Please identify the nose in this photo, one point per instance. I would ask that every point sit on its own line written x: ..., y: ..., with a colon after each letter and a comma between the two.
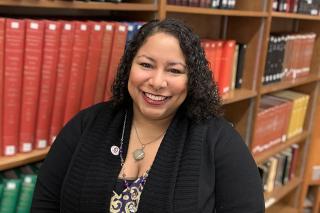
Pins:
x: 158, y: 80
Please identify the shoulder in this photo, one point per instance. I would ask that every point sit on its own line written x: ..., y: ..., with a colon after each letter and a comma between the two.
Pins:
x: 94, y: 110
x: 222, y: 137
x: 220, y: 128
x: 87, y: 118
x: 91, y: 113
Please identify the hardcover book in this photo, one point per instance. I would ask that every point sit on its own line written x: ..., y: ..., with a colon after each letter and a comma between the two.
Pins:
x: 13, y: 72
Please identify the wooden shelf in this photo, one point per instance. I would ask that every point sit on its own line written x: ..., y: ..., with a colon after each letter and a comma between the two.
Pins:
x: 79, y: 5
x: 282, y: 208
x: 261, y: 157
x: 279, y: 192
x: 289, y: 84
x: 314, y: 182
x: 22, y: 159
x: 295, y: 16
x: 211, y: 11
x: 238, y: 95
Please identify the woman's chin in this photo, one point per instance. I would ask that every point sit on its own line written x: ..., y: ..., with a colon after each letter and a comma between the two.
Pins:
x: 154, y: 114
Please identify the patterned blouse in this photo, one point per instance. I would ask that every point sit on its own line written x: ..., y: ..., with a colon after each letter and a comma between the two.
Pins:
x: 125, y: 200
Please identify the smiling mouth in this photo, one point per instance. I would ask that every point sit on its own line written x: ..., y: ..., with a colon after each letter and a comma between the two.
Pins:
x: 155, y: 99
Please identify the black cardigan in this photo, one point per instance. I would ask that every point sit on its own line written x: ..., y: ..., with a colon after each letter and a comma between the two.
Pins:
x: 203, y: 167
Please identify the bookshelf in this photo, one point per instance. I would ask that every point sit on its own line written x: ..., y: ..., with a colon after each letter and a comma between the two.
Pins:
x: 22, y: 159
x: 261, y: 157
x: 294, y: 16
x: 311, y: 185
x: 278, y: 193
x: 78, y: 5
x: 251, y: 22
x: 287, y: 84
x: 217, y: 12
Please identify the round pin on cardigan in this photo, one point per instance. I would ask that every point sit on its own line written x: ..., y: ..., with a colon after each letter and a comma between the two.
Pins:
x: 115, y: 150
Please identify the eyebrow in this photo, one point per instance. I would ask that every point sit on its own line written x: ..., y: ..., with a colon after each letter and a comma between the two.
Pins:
x: 170, y: 63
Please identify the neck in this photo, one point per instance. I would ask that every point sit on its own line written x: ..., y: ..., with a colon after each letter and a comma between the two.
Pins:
x: 148, y: 125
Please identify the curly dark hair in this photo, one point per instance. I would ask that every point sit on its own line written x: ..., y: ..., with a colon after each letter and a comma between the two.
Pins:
x: 202, y: 99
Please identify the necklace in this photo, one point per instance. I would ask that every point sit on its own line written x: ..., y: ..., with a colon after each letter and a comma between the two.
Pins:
x: 139, y: 154
x: 143, y: 180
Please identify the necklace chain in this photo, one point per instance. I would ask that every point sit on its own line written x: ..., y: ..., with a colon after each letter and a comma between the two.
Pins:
x: 153, y: 140
x: 122, y: 158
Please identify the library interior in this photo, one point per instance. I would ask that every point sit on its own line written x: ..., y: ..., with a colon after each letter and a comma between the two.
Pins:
x: 58, y: 57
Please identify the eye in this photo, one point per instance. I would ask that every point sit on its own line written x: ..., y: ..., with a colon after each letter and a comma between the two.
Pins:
x: 176, y: 71
x: 146, y: 65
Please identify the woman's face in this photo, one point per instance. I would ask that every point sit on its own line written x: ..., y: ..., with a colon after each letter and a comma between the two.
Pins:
x: 158, y: 78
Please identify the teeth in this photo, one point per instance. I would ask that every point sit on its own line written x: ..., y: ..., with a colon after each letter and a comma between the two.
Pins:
x: 155, y: 97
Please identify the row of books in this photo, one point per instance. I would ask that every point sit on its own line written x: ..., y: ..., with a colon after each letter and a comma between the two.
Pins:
x: 226, y: 60
x: 221, y: 4
x: 17, y: 187
x: 280, y: 117
x: 114, y: 1
x: 310, y: 7
x: 289, y: 56
x: 279, y: 169
x: 49, y: 70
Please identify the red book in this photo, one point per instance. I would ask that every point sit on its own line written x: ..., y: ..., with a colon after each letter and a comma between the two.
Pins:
x: 294, y: 162
x: 291, y: 6
x: 48, y: 82
x: 31, y: 83
x: 307, y: 52
x: 262, y: 128
x: 209, y: 52
x: 93, y: 63
x: 118, y: 45
x: 13, y: 59
x: 213, y: 50
x: 294, y: 60
x: 298, y: 56
x: 104, y: 61
x: 63, y: 74
x: 287, y: 5
x: 78, y: 64
x: 204, y: 3
x: 226, y: 66
x: 217, y: 62
x: 2, y: 31
x: 272, y: 123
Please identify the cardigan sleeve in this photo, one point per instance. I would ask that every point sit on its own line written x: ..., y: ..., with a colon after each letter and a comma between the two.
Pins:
x: 46, y: 196
x: 238, y: 186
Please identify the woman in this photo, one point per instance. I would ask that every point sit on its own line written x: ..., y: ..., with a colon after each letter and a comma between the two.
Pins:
x: 160, y: 145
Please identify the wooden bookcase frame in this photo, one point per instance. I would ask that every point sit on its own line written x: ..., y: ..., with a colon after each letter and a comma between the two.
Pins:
x: 257, y: 21
x: 312, y: 160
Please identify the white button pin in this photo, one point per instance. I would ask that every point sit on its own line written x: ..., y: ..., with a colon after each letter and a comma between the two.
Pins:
x: 115, y: 150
